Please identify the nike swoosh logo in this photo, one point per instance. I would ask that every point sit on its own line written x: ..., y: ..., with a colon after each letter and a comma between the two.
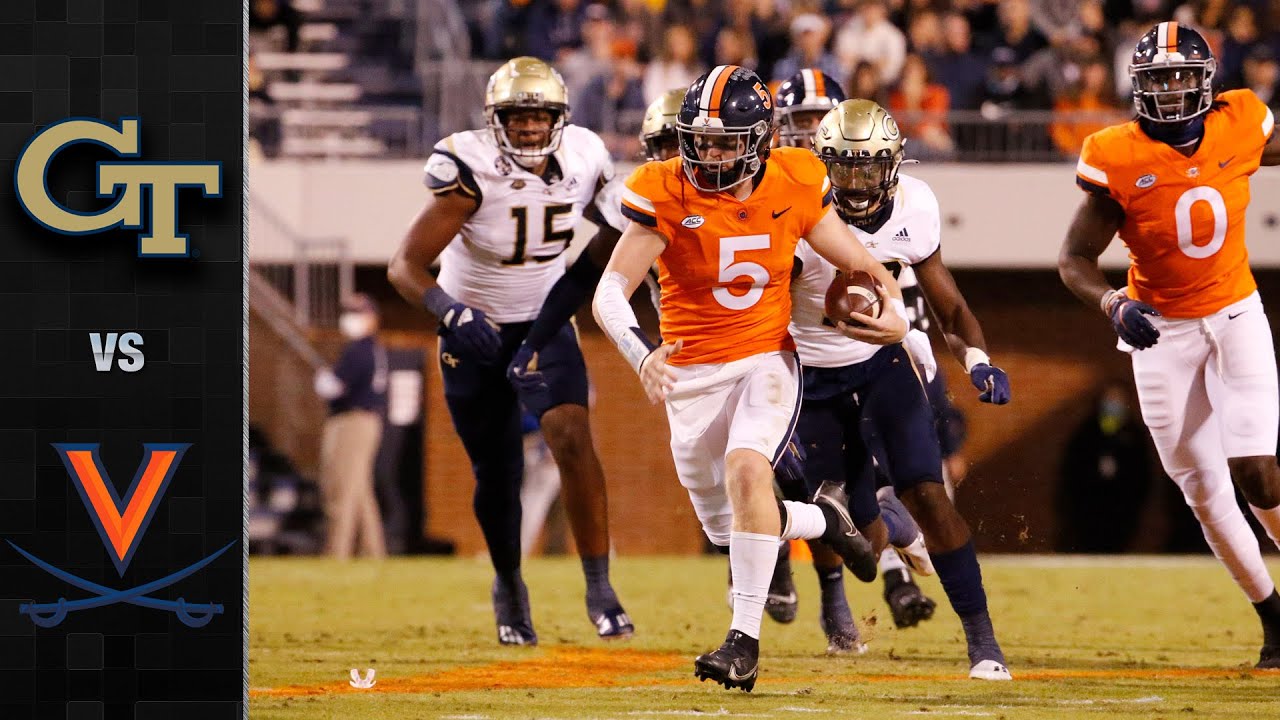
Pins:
x: 734, y: 676
x: 1224, y: 162
x: 788, y: 598
x: 1233, y: 317
x: 777, y: 215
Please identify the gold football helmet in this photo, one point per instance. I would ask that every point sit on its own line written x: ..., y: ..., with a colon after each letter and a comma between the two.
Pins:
x: 658, y: 131
x: 526, y: 83
x: 862, y: 147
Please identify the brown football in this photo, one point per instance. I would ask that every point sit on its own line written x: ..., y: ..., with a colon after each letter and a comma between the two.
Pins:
x: 853, y: 293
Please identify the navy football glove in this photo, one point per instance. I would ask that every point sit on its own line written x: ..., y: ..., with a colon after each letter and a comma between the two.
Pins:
x: 531, y: 387
x: 1128, y: 317
x: 790, y: 467
x: 992, y: 381
x: 475, y: 332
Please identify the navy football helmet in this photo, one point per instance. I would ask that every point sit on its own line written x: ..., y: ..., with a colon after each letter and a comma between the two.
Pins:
x: 725, y: 126
x: 1172, y: 72
x: 802, y: 102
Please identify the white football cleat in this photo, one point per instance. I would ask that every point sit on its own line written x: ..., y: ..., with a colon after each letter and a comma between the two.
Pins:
x: 916, y: 556
x: 989, y: 670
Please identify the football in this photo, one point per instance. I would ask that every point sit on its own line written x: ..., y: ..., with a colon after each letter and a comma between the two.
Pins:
x: 852, y: 293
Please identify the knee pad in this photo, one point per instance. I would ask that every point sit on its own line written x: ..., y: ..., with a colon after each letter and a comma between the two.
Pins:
x: 1209, y: 495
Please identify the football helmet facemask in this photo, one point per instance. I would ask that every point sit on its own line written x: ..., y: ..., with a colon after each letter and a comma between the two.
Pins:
x: 658, y: 131
x: 1172, y: 71
x: 802, y: 102
x: 724, y: 127
x: 862, y: 147
x: 526, y: 83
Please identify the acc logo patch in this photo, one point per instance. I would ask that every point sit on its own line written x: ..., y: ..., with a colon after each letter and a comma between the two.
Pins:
x: 122, y: 180
x: 693, y: 221
x: 1146, y: 181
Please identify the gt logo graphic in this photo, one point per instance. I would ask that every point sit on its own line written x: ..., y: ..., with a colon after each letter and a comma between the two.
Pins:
x: 124, y: 181
x: 121, y: 525
x: 449, y: 359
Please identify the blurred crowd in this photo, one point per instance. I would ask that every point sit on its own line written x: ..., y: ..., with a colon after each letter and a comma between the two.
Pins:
x: 944, y: 67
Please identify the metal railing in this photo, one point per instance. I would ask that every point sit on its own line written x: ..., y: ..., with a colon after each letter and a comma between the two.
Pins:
x: 316, y: 279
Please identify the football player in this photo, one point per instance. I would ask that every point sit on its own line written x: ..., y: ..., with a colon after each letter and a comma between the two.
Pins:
x: 512, y: 194
x: 861, y: 400
x: 802, y: 102
x: 1174, y: 183
x: 722, y: 222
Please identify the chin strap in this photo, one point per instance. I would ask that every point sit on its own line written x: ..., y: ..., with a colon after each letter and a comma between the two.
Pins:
x: 1175, y: 134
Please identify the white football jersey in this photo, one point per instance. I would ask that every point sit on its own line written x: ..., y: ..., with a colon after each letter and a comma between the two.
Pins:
x: 910, y: 235
x: 511, y: 250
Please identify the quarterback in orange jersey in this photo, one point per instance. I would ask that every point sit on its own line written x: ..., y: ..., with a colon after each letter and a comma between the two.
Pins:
x: 1174, y: 184
x: 722, y: 221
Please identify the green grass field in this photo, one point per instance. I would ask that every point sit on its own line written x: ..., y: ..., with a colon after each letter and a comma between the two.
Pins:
x: 1129, y: 637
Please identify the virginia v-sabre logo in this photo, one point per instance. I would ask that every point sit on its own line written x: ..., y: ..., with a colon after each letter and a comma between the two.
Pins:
x: 122, y: 181
x: 121, y: 524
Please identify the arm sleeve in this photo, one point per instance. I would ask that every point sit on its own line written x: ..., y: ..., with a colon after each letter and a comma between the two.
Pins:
x: 619, y: 321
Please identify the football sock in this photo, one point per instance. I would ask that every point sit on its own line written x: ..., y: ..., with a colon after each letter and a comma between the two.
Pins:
x: 961, y: 578
x: 802, y: 521
x: 752, y: 557
x: 831, y: 581
x: 1270, y: 520
x: 903, y: 529
x: 1269, y: 612
x: 1230, y: 537
x: 596, y: 572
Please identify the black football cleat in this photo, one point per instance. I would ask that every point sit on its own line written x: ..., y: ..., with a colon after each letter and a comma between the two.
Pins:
x: 782, y: 604
x: 613, y: 623
x: 511, y: 611
x: 1269, y: 658
x: 841, y: 535
x: 907, y: 602
x: 735, y: 665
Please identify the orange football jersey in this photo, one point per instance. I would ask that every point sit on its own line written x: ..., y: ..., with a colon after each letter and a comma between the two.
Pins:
x: 726, y: 271
x: 1184, y: 216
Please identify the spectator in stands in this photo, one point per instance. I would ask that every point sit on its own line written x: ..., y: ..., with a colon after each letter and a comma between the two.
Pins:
x: 962, y: 71
x: 771, y: 30
x: 1085, y: 109
x: 554, y: 27
x: 809, y: 33
x: 865, y: 84
x: 677, y: 66
x: 1123, y: 40
x: 1057, y: 20
x: 1004, y: 91
x: 1242, y: 37
x: 1056, y: 69
x: 1106, y: 475
x: 869, y: 36
x: 608, y: 98
x: 267, y: 14
x: 920, y: 107
x: 925, y: 35
x: 735, y: 47
x: 1262, y: 76
x: 637, y: 21
x: 595, y: 57
x: 1015, y: 31
x: 356, y: 388
x: 504, y: 36
x: 264, y: 120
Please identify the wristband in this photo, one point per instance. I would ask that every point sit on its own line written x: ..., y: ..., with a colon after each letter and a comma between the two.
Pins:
x: 1107, y: 298
x: 975, y: 356
x: 437, y: 301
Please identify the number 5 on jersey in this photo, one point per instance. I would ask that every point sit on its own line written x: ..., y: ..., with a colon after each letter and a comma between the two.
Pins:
x: 731, y: 271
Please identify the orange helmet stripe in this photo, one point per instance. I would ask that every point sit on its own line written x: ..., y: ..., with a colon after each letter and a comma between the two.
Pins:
x: 717, y: 92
